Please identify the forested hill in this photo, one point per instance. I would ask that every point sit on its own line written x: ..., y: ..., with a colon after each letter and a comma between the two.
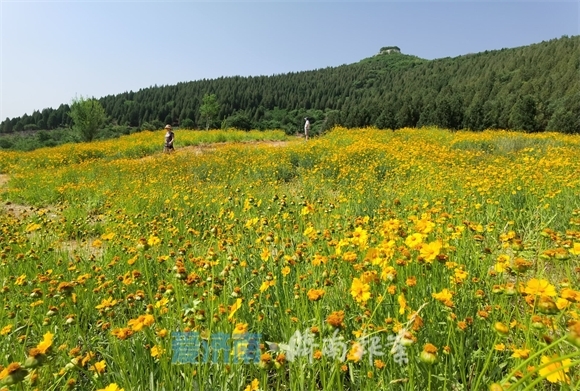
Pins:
x: 533, y: 88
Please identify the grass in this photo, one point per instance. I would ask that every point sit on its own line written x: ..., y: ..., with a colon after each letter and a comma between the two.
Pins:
x: 463, y: 256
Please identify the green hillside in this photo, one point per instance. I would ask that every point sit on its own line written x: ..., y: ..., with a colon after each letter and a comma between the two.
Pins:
x: 531, y: 88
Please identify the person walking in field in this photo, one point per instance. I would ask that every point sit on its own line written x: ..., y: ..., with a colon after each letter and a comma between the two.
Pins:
x: 169, y: 138
x: 306, y: 127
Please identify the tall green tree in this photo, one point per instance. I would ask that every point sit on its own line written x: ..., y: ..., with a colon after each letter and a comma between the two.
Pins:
x: 523, y: 114
x: 209, y: 109
x: 88, y: 116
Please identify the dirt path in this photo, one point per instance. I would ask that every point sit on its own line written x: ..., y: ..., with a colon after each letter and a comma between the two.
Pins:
x: 211, y: 147
x: 85, y: 247
x: 202, y: 148
x: 23, y: 211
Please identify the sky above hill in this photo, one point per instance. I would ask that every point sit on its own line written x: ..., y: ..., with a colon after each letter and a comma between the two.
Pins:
x: 52, y: 51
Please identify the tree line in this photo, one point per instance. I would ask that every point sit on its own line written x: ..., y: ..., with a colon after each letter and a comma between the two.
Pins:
x: 531, y: 88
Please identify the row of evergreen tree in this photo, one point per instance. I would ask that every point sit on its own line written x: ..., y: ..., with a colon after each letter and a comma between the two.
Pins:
x: 531, y: 88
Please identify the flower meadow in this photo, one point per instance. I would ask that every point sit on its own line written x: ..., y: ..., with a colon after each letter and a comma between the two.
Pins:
x: 360, y: 260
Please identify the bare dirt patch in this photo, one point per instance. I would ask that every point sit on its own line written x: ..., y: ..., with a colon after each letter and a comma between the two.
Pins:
x: 204, y: 148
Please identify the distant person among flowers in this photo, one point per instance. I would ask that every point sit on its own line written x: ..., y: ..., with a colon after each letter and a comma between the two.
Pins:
x: 169, y: 138
x: 306, y: 127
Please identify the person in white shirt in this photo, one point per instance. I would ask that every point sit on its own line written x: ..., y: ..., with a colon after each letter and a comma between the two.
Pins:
x: 306, y: 127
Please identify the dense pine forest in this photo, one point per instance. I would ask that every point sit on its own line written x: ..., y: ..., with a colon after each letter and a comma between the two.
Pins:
x: 531, y: 88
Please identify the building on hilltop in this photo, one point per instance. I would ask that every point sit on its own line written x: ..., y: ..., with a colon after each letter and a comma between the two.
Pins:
x: 389, y: 50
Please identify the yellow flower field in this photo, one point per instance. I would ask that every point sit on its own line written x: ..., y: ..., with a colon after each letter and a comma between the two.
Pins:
x: 360, y: 260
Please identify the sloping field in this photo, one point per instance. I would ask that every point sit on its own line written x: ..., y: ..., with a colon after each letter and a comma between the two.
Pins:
x: 361, y: 260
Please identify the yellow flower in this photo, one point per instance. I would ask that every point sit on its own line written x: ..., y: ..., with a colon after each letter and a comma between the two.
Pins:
x: 32, y: 227
x: 443, y: 296
x: 360, y: 291
x: 20, y: 280
x: 108, y: 236
x: 140, y: 322
x: 424, y: 226
x: 414, y: 240
x: 106, y: 303
x: 575, y: 250
x: 265, y: 255
x: 99, y: 367
x: 285, y: 271
x: 499, y: 347
x: 318, y: 259
x: 267, y: 284
x: 46, y: 343
x: 390, y: 226
x: 157, y: 351
x: 539, y: 288
x: 241, y: 328
x: 355, y: 353
x: 236, y: 306
x: 521, y: 353
x: 112, y: 387
x: 360, y: 237
x: 368, y: 276
x: 430, y: 251
x: 460, y: 276
x: 153, y: 240
x: 253, y: 386
x: 388, y: 273
x: 501, y: 328
x: 402, y: 303
x: 554, y: 372
x: 6, y: 329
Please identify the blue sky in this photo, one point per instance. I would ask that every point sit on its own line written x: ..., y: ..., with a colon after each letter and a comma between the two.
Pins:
x: 52, y: 51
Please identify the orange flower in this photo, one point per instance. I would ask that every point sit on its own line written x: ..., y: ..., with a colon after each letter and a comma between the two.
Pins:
x: 429, y: 354
x: 335, y: 319
x: 122, y: 333
x: 315, y: 294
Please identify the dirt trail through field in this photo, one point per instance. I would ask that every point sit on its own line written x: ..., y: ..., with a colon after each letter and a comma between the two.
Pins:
x: 203, y: 148
x: 23, y: 211
x: 211, y: 147
x: 86, y: 247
